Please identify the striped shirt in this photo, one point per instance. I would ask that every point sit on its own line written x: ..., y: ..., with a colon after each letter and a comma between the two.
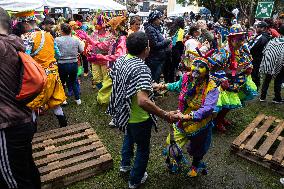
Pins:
x: 128, y: 77
x: 273, y: 57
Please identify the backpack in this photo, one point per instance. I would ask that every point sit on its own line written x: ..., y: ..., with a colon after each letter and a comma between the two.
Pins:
x: 33, y: 79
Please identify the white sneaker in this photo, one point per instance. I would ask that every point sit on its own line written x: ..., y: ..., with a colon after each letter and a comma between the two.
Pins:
x: 124, y: 169
x: 78, y: 102
x: 282, y: 180
x: 65, y: 102
x: 143, y: 180
x: 111, y: 124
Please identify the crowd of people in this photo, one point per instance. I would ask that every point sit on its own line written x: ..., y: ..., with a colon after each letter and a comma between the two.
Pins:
x: 214, y: 66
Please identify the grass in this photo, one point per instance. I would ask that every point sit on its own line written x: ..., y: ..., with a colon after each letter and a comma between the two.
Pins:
x: 226, y: 170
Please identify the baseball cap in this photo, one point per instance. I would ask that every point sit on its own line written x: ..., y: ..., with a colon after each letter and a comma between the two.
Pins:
x: 262, y: 24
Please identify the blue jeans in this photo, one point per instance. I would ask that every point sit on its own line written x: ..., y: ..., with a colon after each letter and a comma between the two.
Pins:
x: 156, y: 68
x: 68, y: 75
x: 139, y: 134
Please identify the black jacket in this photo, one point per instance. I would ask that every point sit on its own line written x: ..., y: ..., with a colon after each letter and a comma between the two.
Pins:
x: 158, y: 43
x: 257, y: 48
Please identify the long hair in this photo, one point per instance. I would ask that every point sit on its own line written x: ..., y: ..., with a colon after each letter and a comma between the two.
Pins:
x: 177, y: 24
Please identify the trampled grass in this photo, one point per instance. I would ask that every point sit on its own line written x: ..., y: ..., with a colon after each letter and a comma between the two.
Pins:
x: 226, y: 170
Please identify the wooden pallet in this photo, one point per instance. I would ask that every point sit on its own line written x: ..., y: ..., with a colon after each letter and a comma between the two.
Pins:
x: 70, y: 154
x: 262, y: 142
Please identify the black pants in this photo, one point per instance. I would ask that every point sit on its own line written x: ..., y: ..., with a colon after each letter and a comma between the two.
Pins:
x: 277, y: 85
x: 85, y: 63
x: 169, y: 68
x: 17, y: 167
x: 255, y: 74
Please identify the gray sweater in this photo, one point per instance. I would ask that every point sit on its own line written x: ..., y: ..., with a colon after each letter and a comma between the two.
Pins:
x: 69, y: 48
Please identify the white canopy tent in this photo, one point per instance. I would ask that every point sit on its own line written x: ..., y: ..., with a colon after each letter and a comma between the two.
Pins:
x: 20, y: 5
x: 179, y: 10
x: 99, y: 4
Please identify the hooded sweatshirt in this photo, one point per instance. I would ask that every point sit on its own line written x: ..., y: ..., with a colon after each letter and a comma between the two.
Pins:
x: 12, y: 112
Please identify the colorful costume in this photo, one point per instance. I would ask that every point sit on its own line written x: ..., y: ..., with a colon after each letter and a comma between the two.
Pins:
x: 105, y: 40
x: 198, y: 100
x: 236, y: 85
x: 40, y: 45
x: 118, y: 48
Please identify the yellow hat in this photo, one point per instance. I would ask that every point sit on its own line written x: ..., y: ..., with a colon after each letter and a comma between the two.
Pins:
x: 25, y: 16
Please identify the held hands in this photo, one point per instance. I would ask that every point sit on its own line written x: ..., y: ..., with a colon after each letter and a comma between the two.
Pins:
x: 159, y: 87
x: 174, y: 116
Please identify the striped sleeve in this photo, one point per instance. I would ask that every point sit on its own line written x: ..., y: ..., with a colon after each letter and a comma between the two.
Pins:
x: 144, y: 80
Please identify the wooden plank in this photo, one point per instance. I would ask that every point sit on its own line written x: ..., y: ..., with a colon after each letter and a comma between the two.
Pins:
x: 77, y: 168
x: 259, y: 161
x: 257, y: 136
x: 68, y: 154
x: 59, y: 134
x: 62, y: 139
x: 62, y: 129
x: 61, y: 164
x: 65, y: 147
x: 65, y: 181
x: 279, y: 153
x: 263, y: 149
x: 242, y: 137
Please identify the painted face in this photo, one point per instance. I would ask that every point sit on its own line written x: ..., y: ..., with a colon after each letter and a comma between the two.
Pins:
x: 199, y: 69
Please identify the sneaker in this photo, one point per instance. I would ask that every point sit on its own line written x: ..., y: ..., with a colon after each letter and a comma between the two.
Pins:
x: 64, y: 103
x: 261, y: 100
x: 78, y: 102
x: 195, y: 171
x: 282, y: 181
x: 111, y: 124
x: 143, y: 180
x: 277, y: 101
x: 124, y: 169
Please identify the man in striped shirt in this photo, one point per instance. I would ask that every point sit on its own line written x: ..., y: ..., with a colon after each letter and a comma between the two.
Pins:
x: 132, y: 108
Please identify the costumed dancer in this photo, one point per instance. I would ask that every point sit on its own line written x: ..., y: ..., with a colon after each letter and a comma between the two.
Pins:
x: 197, y: 100
x: 237, y: 85
x: 104, y: 37
x: 118, y: 48
x: 40, y: 45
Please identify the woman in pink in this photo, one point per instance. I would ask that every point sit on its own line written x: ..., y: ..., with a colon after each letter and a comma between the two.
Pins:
x: 117, y: 48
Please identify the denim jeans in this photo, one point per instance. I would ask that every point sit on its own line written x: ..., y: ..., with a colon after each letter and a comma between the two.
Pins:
x: 156, y: 67
x: 139, y: 134
x: 68, y: 75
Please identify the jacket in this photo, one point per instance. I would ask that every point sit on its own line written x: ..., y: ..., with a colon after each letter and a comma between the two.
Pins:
x: 258, y: 47
x: 157, y: 42
x: 12, y: 112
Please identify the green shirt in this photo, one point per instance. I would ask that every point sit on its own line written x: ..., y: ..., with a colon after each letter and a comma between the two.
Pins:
x: 137, y: 114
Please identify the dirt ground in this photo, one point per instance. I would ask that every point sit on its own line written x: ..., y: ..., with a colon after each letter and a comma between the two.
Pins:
x: 226, y: 170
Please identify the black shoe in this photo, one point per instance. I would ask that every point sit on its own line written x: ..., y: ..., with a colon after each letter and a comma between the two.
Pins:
x: 62, y: 120
x: 277, y: 101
